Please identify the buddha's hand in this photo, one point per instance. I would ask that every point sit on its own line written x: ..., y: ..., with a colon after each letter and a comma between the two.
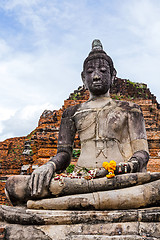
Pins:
x: 40, y: 178
x: 122, y: 167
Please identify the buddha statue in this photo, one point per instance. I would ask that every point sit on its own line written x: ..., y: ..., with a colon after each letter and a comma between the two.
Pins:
x: 108, y: 130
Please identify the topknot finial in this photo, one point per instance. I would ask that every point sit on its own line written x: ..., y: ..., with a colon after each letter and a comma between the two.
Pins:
x: 97, y: 45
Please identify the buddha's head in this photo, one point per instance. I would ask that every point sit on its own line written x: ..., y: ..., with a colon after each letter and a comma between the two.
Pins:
x: 98, y: 71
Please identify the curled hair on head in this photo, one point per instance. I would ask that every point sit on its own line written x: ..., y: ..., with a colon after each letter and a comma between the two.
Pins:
x: 98, y: 52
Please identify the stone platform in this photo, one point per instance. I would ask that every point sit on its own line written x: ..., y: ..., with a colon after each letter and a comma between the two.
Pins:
x: 21, y: 223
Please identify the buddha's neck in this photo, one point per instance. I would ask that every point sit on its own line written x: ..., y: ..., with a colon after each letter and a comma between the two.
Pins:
x: 93, y: 97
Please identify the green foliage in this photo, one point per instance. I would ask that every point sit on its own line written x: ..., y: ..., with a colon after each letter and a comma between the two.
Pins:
x: 137, y: 85
x: 30, y: 135
x: 76, y: 153
x: 70, y: 168
x: 31, y: 152
x: 116, y: 97
x: 151, y: 109
x: 75, y: 96
x: 132, y: 83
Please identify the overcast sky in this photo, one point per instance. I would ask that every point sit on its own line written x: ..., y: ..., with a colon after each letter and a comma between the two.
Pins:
x: 43, y: 44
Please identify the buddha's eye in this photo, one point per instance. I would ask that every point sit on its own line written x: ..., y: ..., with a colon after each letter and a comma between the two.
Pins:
x: 103, y: 69
x: 89, y: 70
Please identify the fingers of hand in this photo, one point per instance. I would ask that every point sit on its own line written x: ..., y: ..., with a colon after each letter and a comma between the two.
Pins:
x: 35, y: 184
x: 40, y: 178
x: 49, y: 176
x: 30, y: 181
x: 41, y: 183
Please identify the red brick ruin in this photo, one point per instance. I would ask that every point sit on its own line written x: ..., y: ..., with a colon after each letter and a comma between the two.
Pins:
x: 21, y: 155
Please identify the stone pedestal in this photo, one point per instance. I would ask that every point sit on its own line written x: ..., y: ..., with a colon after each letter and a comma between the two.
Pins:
x: 21, y: 223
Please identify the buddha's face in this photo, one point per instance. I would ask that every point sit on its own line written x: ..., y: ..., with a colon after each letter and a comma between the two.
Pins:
x: 97, y: 76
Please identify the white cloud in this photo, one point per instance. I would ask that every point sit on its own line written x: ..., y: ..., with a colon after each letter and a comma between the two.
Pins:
x: 6, y: 113
x: 4, y: 49
x: 143, y: 20
x: 28, y: 113
x: 23, y: 120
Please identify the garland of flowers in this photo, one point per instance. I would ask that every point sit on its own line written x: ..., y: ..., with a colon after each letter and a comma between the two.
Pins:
x: 85, y: 173
x: 110, y: 167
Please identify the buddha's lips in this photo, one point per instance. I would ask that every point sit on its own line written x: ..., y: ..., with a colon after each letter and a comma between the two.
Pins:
x: 97, y: 83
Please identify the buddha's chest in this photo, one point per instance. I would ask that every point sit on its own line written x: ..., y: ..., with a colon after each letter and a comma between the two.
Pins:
x: 108, y: 122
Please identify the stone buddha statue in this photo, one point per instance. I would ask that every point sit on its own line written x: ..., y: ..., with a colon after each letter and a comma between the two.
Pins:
x: 108, y: 130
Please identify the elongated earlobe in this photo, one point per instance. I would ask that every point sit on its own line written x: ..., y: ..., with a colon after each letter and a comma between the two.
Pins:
x: 113, y: 76
x: 82, y: 76
x: 83, y: 79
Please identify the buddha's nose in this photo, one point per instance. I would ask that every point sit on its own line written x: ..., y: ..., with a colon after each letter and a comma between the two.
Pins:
x: 96, y: 77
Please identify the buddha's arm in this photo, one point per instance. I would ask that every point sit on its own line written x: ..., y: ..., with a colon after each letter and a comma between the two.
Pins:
x: 138, y: 141
x: 138, y: 162
x: 41, y: 177
x: 65, y: 140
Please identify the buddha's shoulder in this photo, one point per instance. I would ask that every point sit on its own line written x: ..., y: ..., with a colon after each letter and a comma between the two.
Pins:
x: 70, y: 111
x: 127, y: 105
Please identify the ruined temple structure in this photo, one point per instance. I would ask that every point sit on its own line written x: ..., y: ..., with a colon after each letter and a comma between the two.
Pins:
x: 21, y: 155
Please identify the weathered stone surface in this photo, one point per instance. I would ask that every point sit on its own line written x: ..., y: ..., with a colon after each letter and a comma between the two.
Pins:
x: 26, y: 216
x: 24, y: 232
x: 149, y: 215
x: 126, y: 198
x: 47, y: 217
x: 80, y: 225
x: 92, y: 229
x: 151, y: 229
x: 18, y: 215
x: 77, y: 186
x: 103, y: 124
x: 102, y: 237
x: 20, y: 192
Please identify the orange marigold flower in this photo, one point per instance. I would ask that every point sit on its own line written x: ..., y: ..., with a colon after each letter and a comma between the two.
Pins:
x: 105, y: 165
x: 111, y: 167
x: 110, y: 175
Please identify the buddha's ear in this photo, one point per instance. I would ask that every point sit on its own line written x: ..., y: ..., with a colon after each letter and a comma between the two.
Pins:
x: 83, y: 79
x: 82, y: 76
x: 114, y: 75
